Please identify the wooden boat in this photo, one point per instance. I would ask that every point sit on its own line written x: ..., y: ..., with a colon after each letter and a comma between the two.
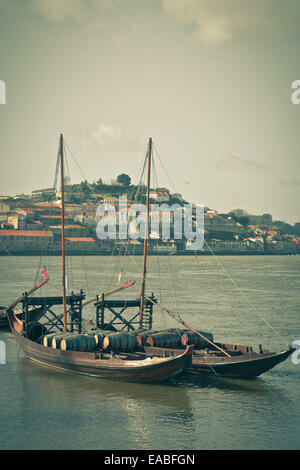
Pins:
x: 245, y: 365
x: 128, y: 367
x: 216, y: 359
x: 225, y: 360
x: 28, y: 332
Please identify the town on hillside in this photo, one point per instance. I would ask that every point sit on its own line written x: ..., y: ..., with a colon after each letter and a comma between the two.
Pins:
x: 31, y: 224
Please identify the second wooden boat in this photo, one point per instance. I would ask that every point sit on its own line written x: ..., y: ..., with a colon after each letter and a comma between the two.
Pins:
x: 221, y: 359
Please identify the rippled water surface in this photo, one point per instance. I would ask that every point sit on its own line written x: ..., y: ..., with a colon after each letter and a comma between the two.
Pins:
x: 245, y: 300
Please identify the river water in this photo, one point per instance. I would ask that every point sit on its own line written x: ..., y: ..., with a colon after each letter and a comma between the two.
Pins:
x: 240, y: 299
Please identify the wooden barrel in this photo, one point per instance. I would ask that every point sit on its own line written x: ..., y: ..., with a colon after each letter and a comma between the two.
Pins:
x: 79, y: 342
x: 142, y: 337
x: 189, y: 337
x: 47, y: 341
x: 99, y: 335
x: 56, y: 340
x: 120, y: 342
x: 165, y: 339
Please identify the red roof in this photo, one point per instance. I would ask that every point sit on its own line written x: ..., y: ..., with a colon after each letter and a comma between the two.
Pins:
x: 68, y: 226
x: 26, y: 233
x: 45, y: 204
x: 86, y: 239
x: 58, y: 216
x: 28, y: 211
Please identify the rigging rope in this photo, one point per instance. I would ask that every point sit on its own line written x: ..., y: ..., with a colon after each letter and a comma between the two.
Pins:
x: 242, y: 293
x: 223, y: 268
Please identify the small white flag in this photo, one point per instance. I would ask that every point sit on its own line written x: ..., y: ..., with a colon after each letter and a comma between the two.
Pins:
x: 120, y: 277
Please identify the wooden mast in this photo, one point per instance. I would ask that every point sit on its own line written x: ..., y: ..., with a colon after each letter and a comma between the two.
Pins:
x: 61, y: 151
x: 146, y: 236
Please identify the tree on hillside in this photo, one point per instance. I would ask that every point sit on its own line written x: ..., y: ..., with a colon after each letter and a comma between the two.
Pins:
x: 242, y: 219
x: 124, y: 179
x: 85, y: 187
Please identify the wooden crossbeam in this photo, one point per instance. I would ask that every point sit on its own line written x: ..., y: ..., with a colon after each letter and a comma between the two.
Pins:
x: 119, y: 316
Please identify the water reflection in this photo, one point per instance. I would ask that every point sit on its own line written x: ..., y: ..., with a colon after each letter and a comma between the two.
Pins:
x: 265, y: 388
x: 54, y: 384
x: 117, y: 414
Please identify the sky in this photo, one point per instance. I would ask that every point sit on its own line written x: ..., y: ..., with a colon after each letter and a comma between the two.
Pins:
x: 209, y: 80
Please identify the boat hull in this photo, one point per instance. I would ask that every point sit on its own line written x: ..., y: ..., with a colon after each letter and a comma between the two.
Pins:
x: 132, y: 368
x: 246, y: 366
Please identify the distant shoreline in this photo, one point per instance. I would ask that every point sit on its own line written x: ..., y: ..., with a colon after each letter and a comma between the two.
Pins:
x: 188, y: 253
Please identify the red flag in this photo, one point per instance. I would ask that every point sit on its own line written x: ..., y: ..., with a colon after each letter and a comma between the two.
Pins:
x: 44, y: 271
x: 128, y: 284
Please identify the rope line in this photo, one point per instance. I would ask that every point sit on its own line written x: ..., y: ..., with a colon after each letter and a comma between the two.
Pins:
x: 242, y: 293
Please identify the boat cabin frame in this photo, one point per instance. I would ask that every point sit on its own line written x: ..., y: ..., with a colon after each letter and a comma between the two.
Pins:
x: 36, y: 308
x: 118, y: 308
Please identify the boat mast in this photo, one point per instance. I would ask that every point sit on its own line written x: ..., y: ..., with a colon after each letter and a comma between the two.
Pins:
x: 146, y: 236
x: 61, y: 151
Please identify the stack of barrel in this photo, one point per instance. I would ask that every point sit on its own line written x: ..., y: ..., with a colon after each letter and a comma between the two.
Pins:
x: 92, y: 341
x: 84, y: 342
x: 175, y: 338
x: 127, y: 341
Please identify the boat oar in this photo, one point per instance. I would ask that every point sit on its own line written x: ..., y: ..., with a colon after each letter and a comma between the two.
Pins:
x: 187, y: 326
x: 127, y: 284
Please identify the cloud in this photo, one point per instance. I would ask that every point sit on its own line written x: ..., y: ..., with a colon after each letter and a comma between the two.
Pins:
x: 212, y: 22
x: 60, y: 10
x: 109, y: 137
x: 97, y: 14
x: 235, y: 161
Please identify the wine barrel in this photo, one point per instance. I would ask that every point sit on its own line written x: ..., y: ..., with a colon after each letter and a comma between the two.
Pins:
x: 189, y: 337
x: 99, y: 335
x: 79, y: 342
x: 142, y: 337
x: 120, y: 342
x: 56, y: 340
x: 165, y: 339
x: 47, y: 341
